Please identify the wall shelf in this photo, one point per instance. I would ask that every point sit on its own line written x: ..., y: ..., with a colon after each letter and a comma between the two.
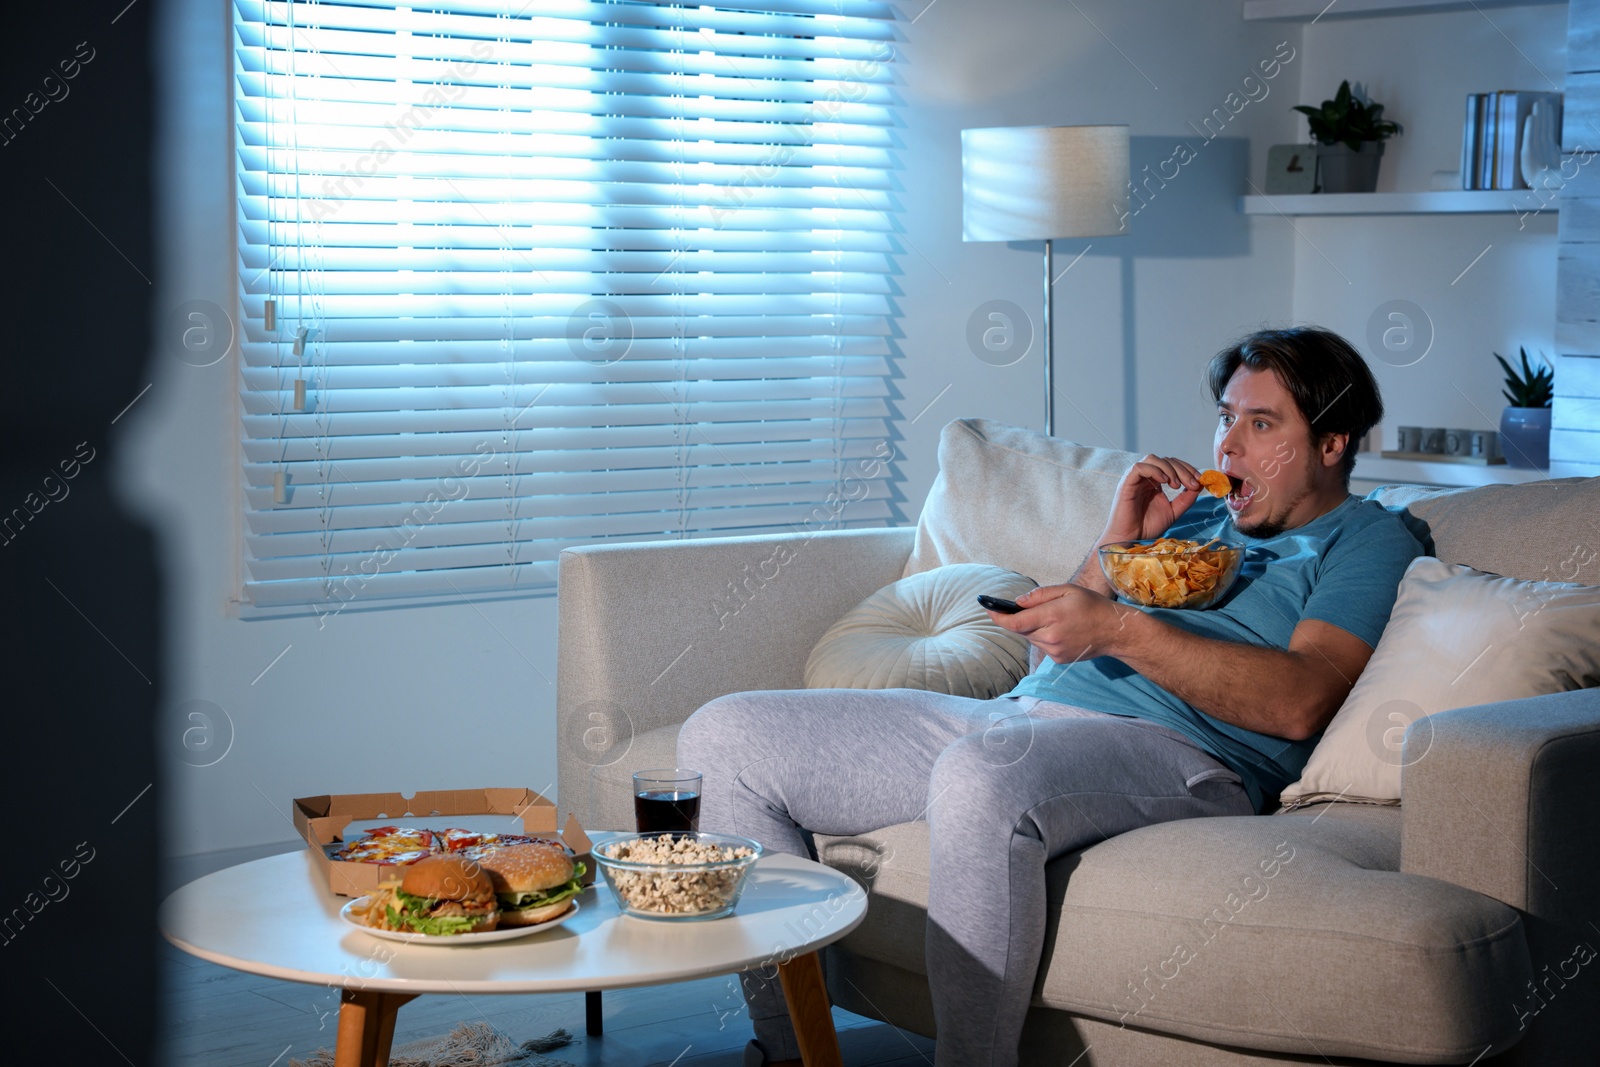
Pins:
x: 1311, y: 10
x: 1371, y: 467
x: 1448, y: 202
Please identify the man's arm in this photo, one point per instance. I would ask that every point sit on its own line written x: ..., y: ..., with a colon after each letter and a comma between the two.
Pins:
x: 1090, y: 576
x: 1290, y: 693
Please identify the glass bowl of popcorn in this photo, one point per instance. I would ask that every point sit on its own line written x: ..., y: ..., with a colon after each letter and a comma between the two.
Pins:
x: 677, y: 876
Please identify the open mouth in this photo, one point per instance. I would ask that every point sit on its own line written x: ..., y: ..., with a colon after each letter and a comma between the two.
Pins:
x: 1240, y: 496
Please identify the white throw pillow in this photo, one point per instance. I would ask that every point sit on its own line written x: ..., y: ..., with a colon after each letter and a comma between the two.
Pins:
x: 1457, y: 637
x: 1017, y: 499
x: 926, y: 632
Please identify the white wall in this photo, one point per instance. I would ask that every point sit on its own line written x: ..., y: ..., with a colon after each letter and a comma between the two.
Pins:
x: 458, y: 694
x: 1139, y: 314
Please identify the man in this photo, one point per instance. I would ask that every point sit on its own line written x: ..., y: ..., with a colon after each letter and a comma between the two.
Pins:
x: 1137, y: 716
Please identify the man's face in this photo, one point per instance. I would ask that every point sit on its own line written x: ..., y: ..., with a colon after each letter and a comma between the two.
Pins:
x: 1263, y: 439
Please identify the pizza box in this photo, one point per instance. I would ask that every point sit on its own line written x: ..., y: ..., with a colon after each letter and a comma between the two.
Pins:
x: 328, y: 822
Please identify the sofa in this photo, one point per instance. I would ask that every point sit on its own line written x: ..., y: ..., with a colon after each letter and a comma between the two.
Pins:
x: 1457, y: 924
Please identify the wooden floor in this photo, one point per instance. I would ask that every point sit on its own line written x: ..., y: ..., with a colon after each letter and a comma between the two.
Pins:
x: 214, y: 1017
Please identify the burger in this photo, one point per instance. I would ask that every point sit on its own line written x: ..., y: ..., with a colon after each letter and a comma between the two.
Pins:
x: 442, y: 895
x: 533, y: 883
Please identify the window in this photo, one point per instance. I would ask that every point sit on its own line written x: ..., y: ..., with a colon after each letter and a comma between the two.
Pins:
x: 519, y: 276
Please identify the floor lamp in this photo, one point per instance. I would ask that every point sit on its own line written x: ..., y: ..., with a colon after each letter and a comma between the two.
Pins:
x: 1030, y: 183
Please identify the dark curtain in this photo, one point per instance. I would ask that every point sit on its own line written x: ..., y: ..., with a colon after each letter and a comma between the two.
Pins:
x: 80, y: 583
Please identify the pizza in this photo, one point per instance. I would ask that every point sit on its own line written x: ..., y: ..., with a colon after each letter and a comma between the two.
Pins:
x: 466, y: 840
x: 390, y: 844
x: 398, y: 845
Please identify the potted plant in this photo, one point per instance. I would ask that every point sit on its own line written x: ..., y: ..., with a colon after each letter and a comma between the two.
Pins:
x: 1525, y: 423
x: 1349, y: 133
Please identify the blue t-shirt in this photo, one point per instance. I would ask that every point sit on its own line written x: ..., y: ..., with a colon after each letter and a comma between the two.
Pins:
x: 1343, y: 568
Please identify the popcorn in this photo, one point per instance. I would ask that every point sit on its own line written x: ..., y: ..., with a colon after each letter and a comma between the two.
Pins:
x: 693, y: 891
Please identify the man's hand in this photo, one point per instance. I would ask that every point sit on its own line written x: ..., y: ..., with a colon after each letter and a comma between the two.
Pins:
x: 1065, y: 622
x: 1141, y: 511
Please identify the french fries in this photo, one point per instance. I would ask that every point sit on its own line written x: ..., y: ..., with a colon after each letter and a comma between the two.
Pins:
x: 373, y: 909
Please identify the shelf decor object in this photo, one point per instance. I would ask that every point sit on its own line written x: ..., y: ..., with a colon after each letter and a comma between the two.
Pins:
x: 1035, y: 183
x: 1349, y: 133
x: 1291, y: 170
x: 1539, y: 154
x: 1510, y: 140
x: 1525, y: 423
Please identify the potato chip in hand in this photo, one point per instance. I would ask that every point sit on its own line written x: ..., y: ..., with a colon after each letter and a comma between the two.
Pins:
x: 1216, y: 483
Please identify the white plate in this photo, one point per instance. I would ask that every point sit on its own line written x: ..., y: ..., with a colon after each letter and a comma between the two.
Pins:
x: 503, y: 934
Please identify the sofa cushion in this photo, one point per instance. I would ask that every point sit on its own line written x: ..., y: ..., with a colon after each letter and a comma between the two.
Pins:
x: 1017, y: 499
x: 1541, y: 531
x: 1208, y: 928
x: 609, y: 803
x: 926, y: 631
x: 1457, y: 637
x: 892, y: 864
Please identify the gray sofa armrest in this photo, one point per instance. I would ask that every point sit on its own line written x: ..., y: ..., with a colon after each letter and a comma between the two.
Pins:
x: 650, y: 631
x: 1497, y: 800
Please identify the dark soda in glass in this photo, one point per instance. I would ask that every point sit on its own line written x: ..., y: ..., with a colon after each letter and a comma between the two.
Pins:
x: 657, y: 811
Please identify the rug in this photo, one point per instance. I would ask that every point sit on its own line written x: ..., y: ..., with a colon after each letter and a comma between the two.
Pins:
x: 475, y: 1044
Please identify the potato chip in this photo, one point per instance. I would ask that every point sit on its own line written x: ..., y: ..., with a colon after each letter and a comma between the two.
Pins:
x: 1171, y: 572
x: 1216, y: 483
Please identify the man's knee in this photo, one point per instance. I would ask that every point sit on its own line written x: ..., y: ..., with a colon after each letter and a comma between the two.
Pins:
x: 976, y: 772
x: 718, y: 724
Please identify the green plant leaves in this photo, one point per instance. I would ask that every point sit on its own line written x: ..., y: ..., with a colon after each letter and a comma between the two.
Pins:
x: 1530, y: 389
x: 1347, y: 120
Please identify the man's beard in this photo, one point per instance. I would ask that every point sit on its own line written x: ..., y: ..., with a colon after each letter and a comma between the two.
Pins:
x: 1262, y: 531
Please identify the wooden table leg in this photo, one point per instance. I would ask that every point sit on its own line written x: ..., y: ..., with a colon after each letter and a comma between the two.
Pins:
x: 593, y: 1021
x: 809, y: 1011
x: 366, y: 1027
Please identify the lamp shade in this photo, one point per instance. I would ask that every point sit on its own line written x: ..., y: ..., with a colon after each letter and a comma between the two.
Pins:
x: 1027, y: 183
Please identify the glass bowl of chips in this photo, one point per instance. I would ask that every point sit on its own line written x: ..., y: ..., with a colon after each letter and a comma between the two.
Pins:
x: 1171, y: 572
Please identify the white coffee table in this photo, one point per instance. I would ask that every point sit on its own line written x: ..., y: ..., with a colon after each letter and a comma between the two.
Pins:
x: 276, y: 917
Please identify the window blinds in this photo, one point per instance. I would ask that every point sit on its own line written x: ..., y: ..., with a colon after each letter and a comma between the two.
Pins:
x: 519, y: 276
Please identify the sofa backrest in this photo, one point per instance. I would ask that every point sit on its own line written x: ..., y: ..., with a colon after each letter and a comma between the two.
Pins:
x: 1035, y: 504
x: 1544, y: 531
x: 1017, y: 499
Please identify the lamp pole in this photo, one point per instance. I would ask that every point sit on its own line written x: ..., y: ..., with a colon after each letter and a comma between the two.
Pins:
x: 1049, y: 360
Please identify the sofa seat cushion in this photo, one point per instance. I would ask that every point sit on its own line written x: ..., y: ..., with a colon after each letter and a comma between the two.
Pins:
x: 1291, y: 933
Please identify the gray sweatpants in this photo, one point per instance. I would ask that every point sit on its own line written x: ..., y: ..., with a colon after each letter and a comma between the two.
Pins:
x: 1005, y: 785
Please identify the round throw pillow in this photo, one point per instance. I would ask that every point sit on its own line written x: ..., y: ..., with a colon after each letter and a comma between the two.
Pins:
x: 926, y: 631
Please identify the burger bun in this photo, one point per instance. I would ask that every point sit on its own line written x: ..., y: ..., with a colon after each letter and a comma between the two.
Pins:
x: 534, y: 916
x: 526, y: 868
x: 447, y: 877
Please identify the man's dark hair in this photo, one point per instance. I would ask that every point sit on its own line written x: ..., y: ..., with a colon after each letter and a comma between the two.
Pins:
x: 1327, y: 377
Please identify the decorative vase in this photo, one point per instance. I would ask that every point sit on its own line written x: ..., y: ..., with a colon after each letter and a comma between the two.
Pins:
x: 1525, y: 437
x: 1340, y: 170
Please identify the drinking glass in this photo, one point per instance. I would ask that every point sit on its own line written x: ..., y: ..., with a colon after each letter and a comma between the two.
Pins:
x: 666, y: 801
